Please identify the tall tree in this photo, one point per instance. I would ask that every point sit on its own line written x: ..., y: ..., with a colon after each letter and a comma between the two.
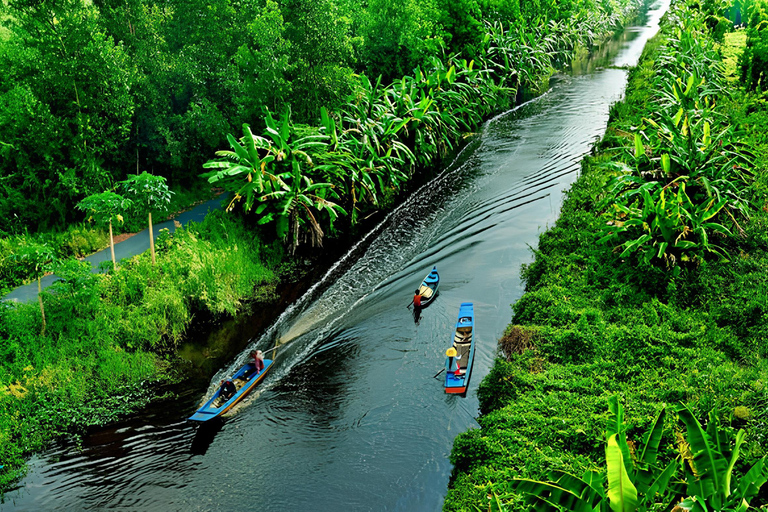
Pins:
x: 103, y: 209
x: 60, y: 62
x: 398, y: 35
x: 264, y: 62
x: 148, y: 193
x: 321, y: 54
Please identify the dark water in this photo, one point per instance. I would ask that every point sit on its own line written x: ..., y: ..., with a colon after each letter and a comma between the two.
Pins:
x: 351, y: 417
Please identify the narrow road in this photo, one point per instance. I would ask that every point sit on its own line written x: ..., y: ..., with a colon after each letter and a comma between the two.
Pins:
x: 132, y: 246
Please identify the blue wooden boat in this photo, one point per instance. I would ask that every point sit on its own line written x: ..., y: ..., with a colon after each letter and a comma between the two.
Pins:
x: 461, y: 355
x: 428, y: 288
x: 217, y: 406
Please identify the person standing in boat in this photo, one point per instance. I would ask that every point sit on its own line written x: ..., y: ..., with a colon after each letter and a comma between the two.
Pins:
x: 256, y: 364
x: 417, y: 299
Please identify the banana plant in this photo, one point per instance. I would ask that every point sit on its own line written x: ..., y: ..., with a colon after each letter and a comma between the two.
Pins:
x: 634, y: 481
x: 283, y: 148
x: 340, y: 165
x: 661, y: 221
x: 709, y: 468
x: 243, y: 170
x: 295, y: 204
x: 687, y: 183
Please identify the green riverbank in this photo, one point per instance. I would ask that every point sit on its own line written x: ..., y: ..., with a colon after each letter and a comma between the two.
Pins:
x: 111, y: 337
x: 651, y: 287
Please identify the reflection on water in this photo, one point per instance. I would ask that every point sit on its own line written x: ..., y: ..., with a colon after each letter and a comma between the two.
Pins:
x: 350, y: 417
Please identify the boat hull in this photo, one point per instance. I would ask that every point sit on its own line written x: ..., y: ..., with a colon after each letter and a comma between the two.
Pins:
x: 210, y: 411
x: 429, y: 285
x: 464, y: 340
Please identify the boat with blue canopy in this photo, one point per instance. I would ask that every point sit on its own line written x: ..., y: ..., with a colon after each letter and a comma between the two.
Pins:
x: 243, y: 384
x: 459, y: 358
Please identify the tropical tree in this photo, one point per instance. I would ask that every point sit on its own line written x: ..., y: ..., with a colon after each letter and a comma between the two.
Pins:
x: 150, y: 192
x: 294, y: 204
x: 320, y: 54
x: 702, y: 474
x: 103, y: 208
x: 264, y: 62
x: 243, y: 170
x: 39, y: 259
x: 270, y: 170
x: 341, y: 165
x: 68, y: 83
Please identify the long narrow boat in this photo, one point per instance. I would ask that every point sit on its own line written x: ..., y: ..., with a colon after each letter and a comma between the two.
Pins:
x: 217, y: 405
x: 461, y: 355
x: 428, y: 288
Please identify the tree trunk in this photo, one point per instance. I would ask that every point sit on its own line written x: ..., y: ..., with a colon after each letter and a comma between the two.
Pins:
x: 112, y: 246
x: 294, y: 226
x: 40, y: 300
x: 353, y: 207
x: 151, y: 239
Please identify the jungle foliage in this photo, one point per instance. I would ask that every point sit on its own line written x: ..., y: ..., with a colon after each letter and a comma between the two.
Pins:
x: 96, y: 90
x: 686, y: 335
x: 108, y: 335
x: 368, y: 148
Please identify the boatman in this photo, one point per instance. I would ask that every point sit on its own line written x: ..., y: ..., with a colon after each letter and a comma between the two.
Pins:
x: 451, y: 353
x: 255, y: 365
x: 417, y: 299
x: 228, y: 389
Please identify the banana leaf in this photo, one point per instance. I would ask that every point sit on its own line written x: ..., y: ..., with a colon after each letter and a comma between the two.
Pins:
x: 710, y: 464
x: 622, y: 494
x: 556, y: 496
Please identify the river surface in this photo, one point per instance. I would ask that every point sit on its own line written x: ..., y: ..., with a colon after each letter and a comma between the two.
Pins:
x: 351, y: 418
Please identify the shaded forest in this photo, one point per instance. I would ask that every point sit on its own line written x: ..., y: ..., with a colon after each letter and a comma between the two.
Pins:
x: 97, y: 90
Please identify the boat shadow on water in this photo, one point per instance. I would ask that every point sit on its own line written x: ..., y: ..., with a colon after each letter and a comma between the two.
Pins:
x: 206, y: 432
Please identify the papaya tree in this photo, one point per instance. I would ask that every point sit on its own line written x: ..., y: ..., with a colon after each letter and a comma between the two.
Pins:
x: 103, y: 208
x: 39, y: 259
x: 150, y: 192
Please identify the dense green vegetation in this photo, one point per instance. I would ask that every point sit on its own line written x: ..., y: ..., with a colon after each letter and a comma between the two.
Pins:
x: 158, y: 91
x: 83, y: 238
x: 651, y: 286
x: 96, y: 90
x: 110, y: 334
x: 368, y: 148
x: 114, y: 88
